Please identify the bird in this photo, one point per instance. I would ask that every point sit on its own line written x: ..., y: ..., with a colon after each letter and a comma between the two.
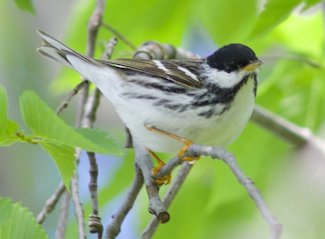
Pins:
x: 167, y: 105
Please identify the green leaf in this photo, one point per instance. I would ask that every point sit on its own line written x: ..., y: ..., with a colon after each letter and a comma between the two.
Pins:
x: 227, y: 21
x: 8, y: 127
x: 17, y: 222
x: 64, y: 159
x: 59, y: 139
x: 26, y: 5
x: 45, y: 124
x: 274, y: 13
x: 100, y: 138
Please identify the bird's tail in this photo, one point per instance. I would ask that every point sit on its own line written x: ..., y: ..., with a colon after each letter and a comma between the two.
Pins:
x: 55, y: 50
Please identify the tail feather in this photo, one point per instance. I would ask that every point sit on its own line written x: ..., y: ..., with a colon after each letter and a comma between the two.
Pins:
x: 55, y: 50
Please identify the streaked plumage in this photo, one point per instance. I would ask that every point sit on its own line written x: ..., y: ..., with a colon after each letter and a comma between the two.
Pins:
x: 208, y: 101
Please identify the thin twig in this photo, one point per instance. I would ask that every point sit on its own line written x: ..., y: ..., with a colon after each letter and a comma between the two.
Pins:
x: 281, y: 127
x: 50, y: 203
x: 94, y: 224
x: 93, y: 26
x: 77, y: 202
x: 292, y: 133
x: 216, y: 153
x: 119, y: 35
x: 63, y: 217
x: 229, y: 159
x: 114, y: 227
x: 292, y: 57
x: 156, y: 207
x: 169, y: 167
x: 169, y: 197
x: 64, y: 104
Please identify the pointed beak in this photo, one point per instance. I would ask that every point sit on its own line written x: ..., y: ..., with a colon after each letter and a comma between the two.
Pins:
x: 252, y: 66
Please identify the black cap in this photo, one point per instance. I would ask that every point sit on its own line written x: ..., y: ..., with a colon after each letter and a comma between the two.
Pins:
x: 232, y: 57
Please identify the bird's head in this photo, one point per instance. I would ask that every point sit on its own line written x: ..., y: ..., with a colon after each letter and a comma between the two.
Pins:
x: 234, y: 57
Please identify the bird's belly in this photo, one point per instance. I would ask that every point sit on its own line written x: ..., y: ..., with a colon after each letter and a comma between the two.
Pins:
x: 217, y: 130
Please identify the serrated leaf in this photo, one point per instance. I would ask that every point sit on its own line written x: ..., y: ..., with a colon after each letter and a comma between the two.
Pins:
x: 101, y: 138
x: 17, y: 222
x: 26, y: 5
x: 64, y: 159
x: 45, y: 124
x: 7, y: 126
x: 274, y: 13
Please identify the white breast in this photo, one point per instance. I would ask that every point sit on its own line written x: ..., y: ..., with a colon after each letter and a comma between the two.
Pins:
x: 214, y: 131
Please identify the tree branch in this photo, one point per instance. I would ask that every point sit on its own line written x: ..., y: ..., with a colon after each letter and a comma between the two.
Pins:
x: 77, y: 202
x: 63, y: 216
x: 119, y: 35
x: 94, y: 223
x: 143, y: 161
x: 281, y: 127
x: 93, y: 26
x: 114, y: 227
x: 229, y: 159
x: 217, y: 153
x: 50, y: 203
x: 169, y: 197
x: 64, y: 104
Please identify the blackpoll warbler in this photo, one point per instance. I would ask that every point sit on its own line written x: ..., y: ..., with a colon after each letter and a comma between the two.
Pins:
x: 207, y: 101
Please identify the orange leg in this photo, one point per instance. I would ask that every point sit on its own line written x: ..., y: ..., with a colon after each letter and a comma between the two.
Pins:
x: 159, y: 180
x: 185, y: 141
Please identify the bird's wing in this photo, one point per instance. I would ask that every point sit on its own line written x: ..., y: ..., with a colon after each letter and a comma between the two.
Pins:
x: 183, y: 72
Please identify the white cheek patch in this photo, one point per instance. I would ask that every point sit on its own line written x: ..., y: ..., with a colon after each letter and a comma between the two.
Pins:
x: 161, y: 66
x: 224, y: 79
x: 188, y: 73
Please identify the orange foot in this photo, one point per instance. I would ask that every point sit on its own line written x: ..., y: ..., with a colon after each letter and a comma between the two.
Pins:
x: 183, y: 150
x: 185, y: 141
x: 159, y: 180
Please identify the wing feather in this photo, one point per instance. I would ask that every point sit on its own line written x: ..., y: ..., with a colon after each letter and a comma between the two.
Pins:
x: 182, y: 72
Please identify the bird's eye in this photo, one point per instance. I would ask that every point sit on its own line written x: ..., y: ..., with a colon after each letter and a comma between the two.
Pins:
x: 233, y: 65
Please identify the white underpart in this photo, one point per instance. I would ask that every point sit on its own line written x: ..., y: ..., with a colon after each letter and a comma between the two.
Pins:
x: 136, y: 113
x: 161, y: 66
x: 224, y: 79
x: 188, y: 73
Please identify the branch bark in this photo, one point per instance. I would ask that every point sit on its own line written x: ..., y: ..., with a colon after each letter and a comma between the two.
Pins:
x: 229, y: 159
x: 169, y: 197
x: 63, y: 217
x: 114, y: 227
x: 50, y: 203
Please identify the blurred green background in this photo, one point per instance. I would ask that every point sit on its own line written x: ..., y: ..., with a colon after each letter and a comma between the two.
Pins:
x: 288, y: 35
